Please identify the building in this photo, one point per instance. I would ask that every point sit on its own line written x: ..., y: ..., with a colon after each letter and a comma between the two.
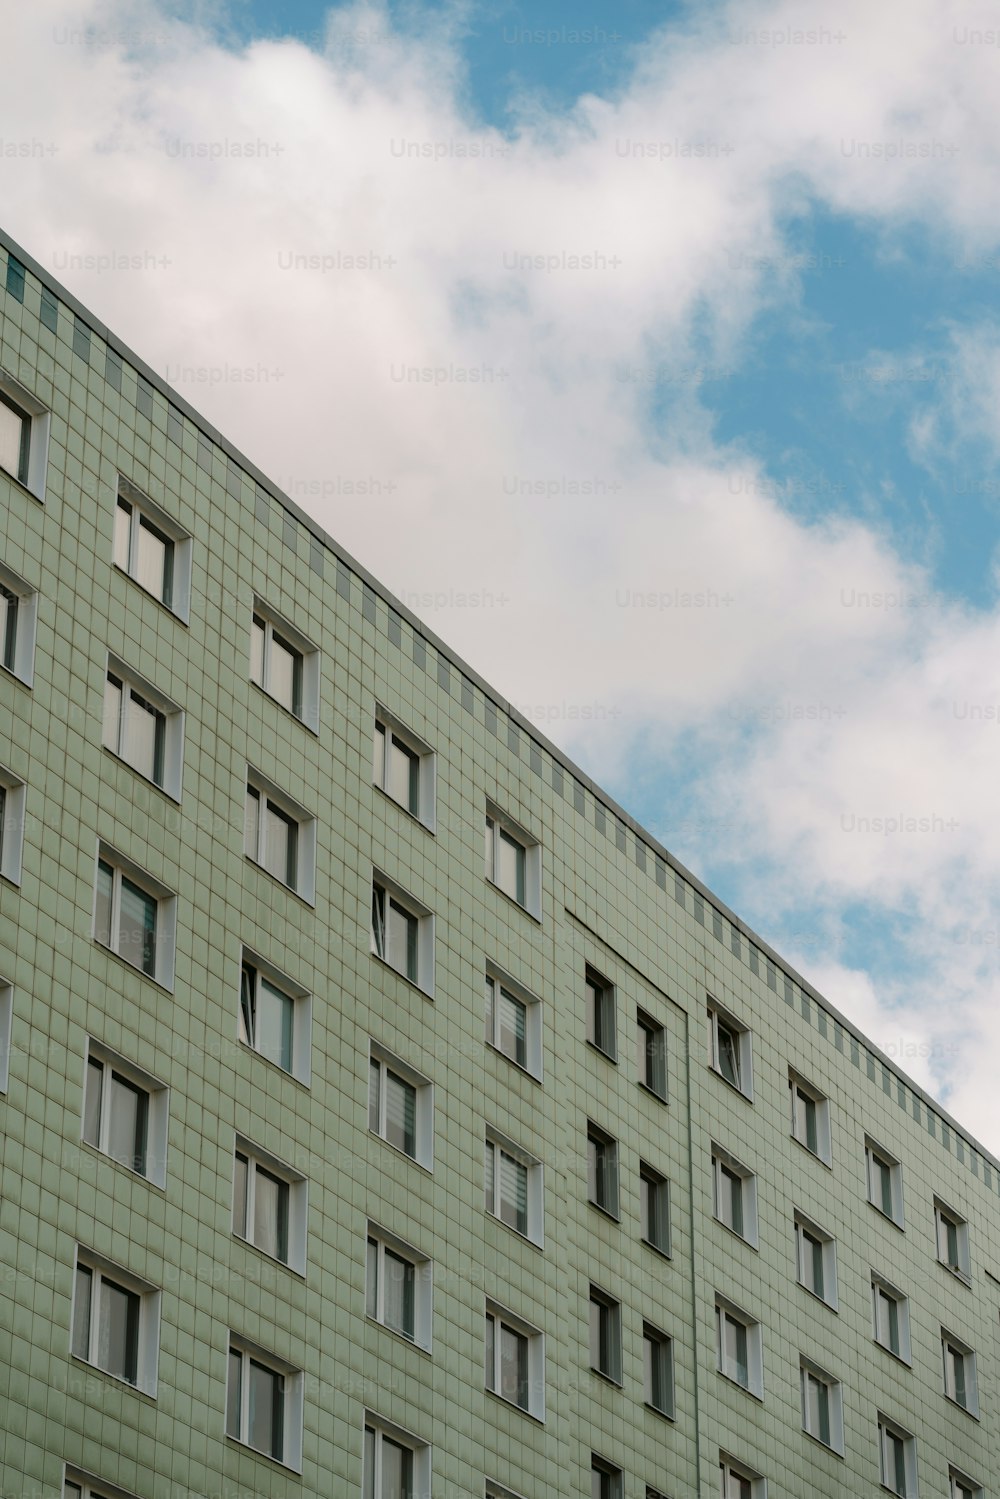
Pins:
x: 338, y: 1161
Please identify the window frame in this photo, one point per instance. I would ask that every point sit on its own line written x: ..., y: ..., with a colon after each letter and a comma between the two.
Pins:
x: 301, y: 849
x: 388, y: 1243
x: 609, y: 1174
x: 888, y: 1428
x: 171, y: 749
x: 877, y: 1155
x: 421, y: 972
x: 726, y: 1312
x: 532, y: 1006
x: 807, y: 1229
x: 122, y: 869
x: 650, y: 1178
x: 799, y: 1087
x: 13, y: 812
x: 946, y: 1217
x: 296, y: 1202
x: 883, y: 1287
x: 808, y: 1370
x: 6, y: 1028
x: 961, y: 1486
x: 291, y: 1401
x: 423, y: 774
x: 613, y: 1487
x: 89, y: 1486
x: 301, y: 1014
x: 33, y: 449
x: 305, y: 703
x: 175, y: 595
x: 606, y: 1335
x: 651, y: 1044
x: 18, y: 626
x: 499, y: 827
x: 954, y: 1348
x: 147, y: 1318
x: 504, y: 1319
x: 419, y: 1450
x: 723, y: 1021
x: 654, y: 1338
x: 423, y: 1104
x: 157, y: 1110
x: 602, y: 1017
x: 501, y: 1144
x: 724, y: 1162
x: 730, y: 1468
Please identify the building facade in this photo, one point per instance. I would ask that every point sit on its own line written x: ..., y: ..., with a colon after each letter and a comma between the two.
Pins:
x: 385, y: 1112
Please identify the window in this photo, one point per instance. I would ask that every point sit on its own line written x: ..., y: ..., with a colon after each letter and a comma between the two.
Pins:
x: 960, y: 1486
x: 513, y: 861
x: 18, y: 615
x: 655, y: 1208
x: 810, y: 1117
x: 605, y: 1335
x: 80, y: 1485
x: 403, y: 767
x: 284, y: 664
x: 816, y: 1260
x: 125, y: 1114
x: 274, y: 1017
x: 602, y: 1170
x: 24, y: 436
x: 513, y: 1186
x: 897, y: 1458
x: 729, y: 1049
x: 605, y: 1479
x: 280, y: 836
x: 601, y: 1014
x: 651, y: 1044
x: 6, y: 1020
x: 115, y: 1321
x: 734, y: 1191
x: 739, y: 1347
x: 143, y: 728
x: 269, y: 1205
x: 952, y: 1231
x: 658, y: 1369
x: 738, y: 1482
x: 134, y: 916
x: 822, y: 1405
x: 402, y: 933
x: 398, y: 1286
x: 885, y: 1182
x: 264, y: 1403
x: 515, y: 1360
x: 15, y: 278
x: 397, y: 1465
x: 891, y: 1318
x: 152, y: 549
x: 959, y: 1373
x: 400, y: 1106
x: 13, y: 794
x: 513, y: 1021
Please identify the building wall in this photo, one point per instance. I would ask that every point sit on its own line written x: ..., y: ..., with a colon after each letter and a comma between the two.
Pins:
x: 611, y: 898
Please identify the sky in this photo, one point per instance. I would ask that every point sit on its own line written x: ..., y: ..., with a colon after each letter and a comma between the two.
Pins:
x: 651, y: 354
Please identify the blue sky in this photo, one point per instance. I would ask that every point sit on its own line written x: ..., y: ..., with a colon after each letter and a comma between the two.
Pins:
x: 756, y: 430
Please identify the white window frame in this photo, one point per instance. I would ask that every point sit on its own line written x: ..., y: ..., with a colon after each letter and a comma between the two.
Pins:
x: 535, y: 1204
x: 309, y: 662
x: 148, y: 1326
x: 600, y: 1138
x: 423, y: 1104
x: 721, y: 1020
x: 420, y: 1451
x: 423, y: 1285
x: 115, y: 726
x: 6, y: 1025
x: 423, y: 972
x: 166, y: 913
x: 503, y: 1317
x: 810, y: 1371
x: 255, y: 849
x: 393, y: 728
x: 724, y: 1161
x: 953, y: 1348
x: 961, y: 1486
x: 652, y: 1335
x: 885, y: 1288
x: 298, y: 1201
x: 798, y: 1090
x: 532, y: 1063
x: 876, y: 1156
x: 17, y: 638
x: 733, y: 1474
x: 498, y: 1491
x: 651, y: 1044
x: 806, y: 1229
x: 945, y: 1217
x: 605, y: 1329
x: 39, y: 422
x: 727, y: 1311
x: 888, y: 1428
x: 13, y: 800
x: 611, y: 1478
x: 301, y: 1001
x: 77, y: 1484
x: 602, y: 1013
x: 157, y: 1109
x: 291, y: 1421
x: 143, y: 508
x: 497, y: 824
x: 650, y: 1177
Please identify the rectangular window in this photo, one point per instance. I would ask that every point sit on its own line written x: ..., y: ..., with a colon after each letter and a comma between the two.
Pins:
x: 737, y: 1482
x: 734, y: 1189
x: 398, y: 1287
x: 399, y: 1106
x: 729, y: 1049
x: 952, y: 1234
x: 514, y: 1368
x: 506, y: 1022
x: 49, y: 311
x: 605, y: 1335
x: 403, y: 767
x: 891, y: 1318
x: 264, y: 1404
x: 816, y: 1260
x: 284, y: 664
x: 602, y: 1170
x: 134, y: 917
x: 280, y: 836
x: 13, y: 796
x: 269, y: 1205
x: 15, y: 439
x: 959, y: 1373
x: 822, y: 1405
x: 18, y: 613
x: 274, y: 1017
x: 885, y: 1182
x: 513, y: 861
x: 658, y: 1377
x: 152, y: 549
x: 739, y: 1347
x: 960, y: 1486
x: 143, y: 728
x: 24, y: 436
x: 15, y: 278
x: 402, y: 933
x: 810, y: 1117
x: 655, y: 1208
x: 651, y: 1042
x: 396, y: 1464
x: 601, y: 1013
x: 115, y: 1321
x: 606, y: 1481
x: 897, y: 1459
x: 513, y: 1186
x: 125, y: 1114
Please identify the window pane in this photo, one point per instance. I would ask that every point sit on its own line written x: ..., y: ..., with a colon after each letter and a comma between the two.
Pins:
x: 92, y: 1102
x: 143, y: 745
x: 369, y: 1464
x: 490, y: 1176
x: 402, y: 774
x: 378, y: 756
x: 275, y: 1013
x: 397, y: 1471
x: 233, y: 1394
x: 118, y: 1331
x: 153, y: 561
x: 264, y: 1423
x: 12, y: 429
x: 510, y: 866
x: 105, y: 885
x: 270, y: 1228
x: 490, y: 847
x: 251, y: 826
x: 8, y: 627
x: 513, y: 1027
x: 371, y: 1279
x: 248, y: 984
x: 123, y: 527
x: 257, y: 651
x: 513, y: 1193
x: 240, y: 1186
x: 402, y: 940
x: 513, y: 1366
x: 127, y: 1132
x: 490, y: 988
x: 81, y: 1312
x: 112, y: 713
x: 400, y: 1113
x: 284, y: 674
x: 279, y: 844
x: 374, y: 1094
x: 137, y: 927
x: 729, y: 1055
x: 398, y: 1293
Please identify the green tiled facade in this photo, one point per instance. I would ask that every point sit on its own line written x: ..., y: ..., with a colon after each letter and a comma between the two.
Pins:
x: 610, y: 899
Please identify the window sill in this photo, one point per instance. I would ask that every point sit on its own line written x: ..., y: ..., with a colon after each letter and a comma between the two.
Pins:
x: 288, y: 712
x: 167, y: 608
x: 741, y: 1237
x: 413, y: 1160
x: 656, y: 1411
x: 512, y: 1405
x: 513, y: 901
x: 830, y: 1306
x: 826, y: 1446
x: 5, y: 671
x: 886, y: 1219
x: 665, y: 1254
x: 973, y: 1415
x: 256, y: 1452
x: 605, y: 1212
x: 735, y: 1087
x: 275, y: 1066
x: 524, y: 1238
x: 102, y: 1155
x: 310, y: 904
x: 411, y: 983
x: 116, y: 1380
x: 18, y: 484
x: 270, y: 1259
x: 957, y: 1274
x: 906, y: 1362
x: 609, y: 1056
x: 168, y: 795
x: 608, y: 1379
x: 652, y: 1093
x: 413, y: 817
x: 139, y: 972
x: 536, y: 1077
x: 815, y: 1155
x: 737, y: 1386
